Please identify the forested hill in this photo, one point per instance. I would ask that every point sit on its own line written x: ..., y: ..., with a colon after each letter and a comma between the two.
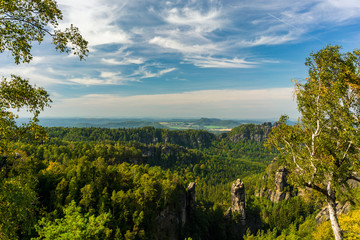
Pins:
x: 147, y: 135
x: 214, y: 125
x: 131, y: 183
x: 150, y: 135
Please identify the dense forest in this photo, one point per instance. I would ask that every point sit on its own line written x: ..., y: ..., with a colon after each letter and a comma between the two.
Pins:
x: 98, y: 183
x: 156, y: 183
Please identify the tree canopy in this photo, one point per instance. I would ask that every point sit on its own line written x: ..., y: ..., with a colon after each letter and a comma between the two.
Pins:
x: 323, y: 148
x: 24, y: 21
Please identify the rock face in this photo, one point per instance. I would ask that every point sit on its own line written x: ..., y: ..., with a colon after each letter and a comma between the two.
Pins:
x: 280, y: 184
x: 172, y: 220
x: 279, y: 193
x: 238, y: 201
x: 250, y: 132
x: 281, y: 179
x: 190, y: 198
x: 323, y: 215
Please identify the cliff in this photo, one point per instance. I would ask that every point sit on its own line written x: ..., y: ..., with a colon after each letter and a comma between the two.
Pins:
x: 172, y: 221
x: 248, y: 132
x: 275, y: 186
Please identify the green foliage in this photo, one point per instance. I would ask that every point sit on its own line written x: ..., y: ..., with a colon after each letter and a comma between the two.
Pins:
x: 24, y: 21
x: 350, y: 224
x: 17, y: 94
x: 322, y: 149
x: 146, y: 135
x: 17, y: 207
x: 21, y: 23
x: 74, y: 225
x: 303, y: 231
x: 323, y: 146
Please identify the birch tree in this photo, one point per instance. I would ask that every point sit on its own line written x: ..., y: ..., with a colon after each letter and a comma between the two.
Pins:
x: 322, y: 149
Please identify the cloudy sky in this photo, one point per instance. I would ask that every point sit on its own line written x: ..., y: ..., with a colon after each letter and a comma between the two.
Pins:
x: 230, y: 59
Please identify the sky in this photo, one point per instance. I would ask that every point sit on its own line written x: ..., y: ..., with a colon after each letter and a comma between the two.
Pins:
x: 229, y: 59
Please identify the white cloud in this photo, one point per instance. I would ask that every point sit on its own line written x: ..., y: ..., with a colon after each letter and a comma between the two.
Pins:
x: 96, y: 20
x: 182, y: 47
x: 206, y: 21
x: 124, y: 61
x: 89, y: 81
x: 41, y: 77
x: 212, y: 62
x: 262, y: 103
x: 143, y: 72
x: 106, y: 78
x: 269, y: 40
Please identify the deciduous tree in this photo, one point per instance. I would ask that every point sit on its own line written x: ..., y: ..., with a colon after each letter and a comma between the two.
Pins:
x: 323, y: 149
x: 23, y: 22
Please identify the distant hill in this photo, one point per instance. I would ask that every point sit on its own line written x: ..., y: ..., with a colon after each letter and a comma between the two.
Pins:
x: 213, y: 125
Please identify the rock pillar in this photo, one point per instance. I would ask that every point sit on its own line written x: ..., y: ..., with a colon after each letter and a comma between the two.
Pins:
x: 238, y: 200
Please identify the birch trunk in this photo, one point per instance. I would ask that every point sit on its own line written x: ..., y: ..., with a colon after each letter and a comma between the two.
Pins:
x: 334, y: 220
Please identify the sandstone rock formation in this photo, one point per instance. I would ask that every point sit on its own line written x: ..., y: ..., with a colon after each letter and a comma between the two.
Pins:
x: 190, y: 197
x: 323, y: 215
x: 237, y: 201
x: 249, y: 132
x: 172, y: 220
x: 279, y: 193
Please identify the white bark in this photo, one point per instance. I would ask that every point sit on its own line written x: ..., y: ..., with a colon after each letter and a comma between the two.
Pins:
x: 334, y: 220
x: 332, y: 213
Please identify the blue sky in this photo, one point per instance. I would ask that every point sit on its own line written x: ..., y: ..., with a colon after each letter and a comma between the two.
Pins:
x: 169, y: 59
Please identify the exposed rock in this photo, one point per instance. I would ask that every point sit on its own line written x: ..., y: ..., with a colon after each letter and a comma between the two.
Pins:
x: 237, y: 201
x: 280, y: 181
x: 190, y: 197
x: 323, y: 215
x: 249, y: 132
x: 172, y: 220
x: 280, y: 184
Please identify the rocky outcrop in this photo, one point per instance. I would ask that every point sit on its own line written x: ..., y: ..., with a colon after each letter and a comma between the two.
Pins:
x: 323, y: 215
x: 237, y: 207
x: 190, y: 198
x: 280, y: 183
x: 173, y: 219
x: 279, y: 193
x: 249, y: 132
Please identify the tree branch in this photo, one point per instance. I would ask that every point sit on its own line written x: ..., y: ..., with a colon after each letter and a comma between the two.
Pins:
x: 354, y: 176
x: 12, y: 18
x: 317, y: 188
x: 293, y: 154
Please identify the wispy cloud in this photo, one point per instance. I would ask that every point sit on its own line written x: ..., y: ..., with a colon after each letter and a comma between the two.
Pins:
x: 104, y: 78
x: 144, y: 72
x: 270, y: 40
x: 212, y: 62
x: 44, y: 78
x: 124, y: 61
x: 193, y: 16
x: 169, y: 43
